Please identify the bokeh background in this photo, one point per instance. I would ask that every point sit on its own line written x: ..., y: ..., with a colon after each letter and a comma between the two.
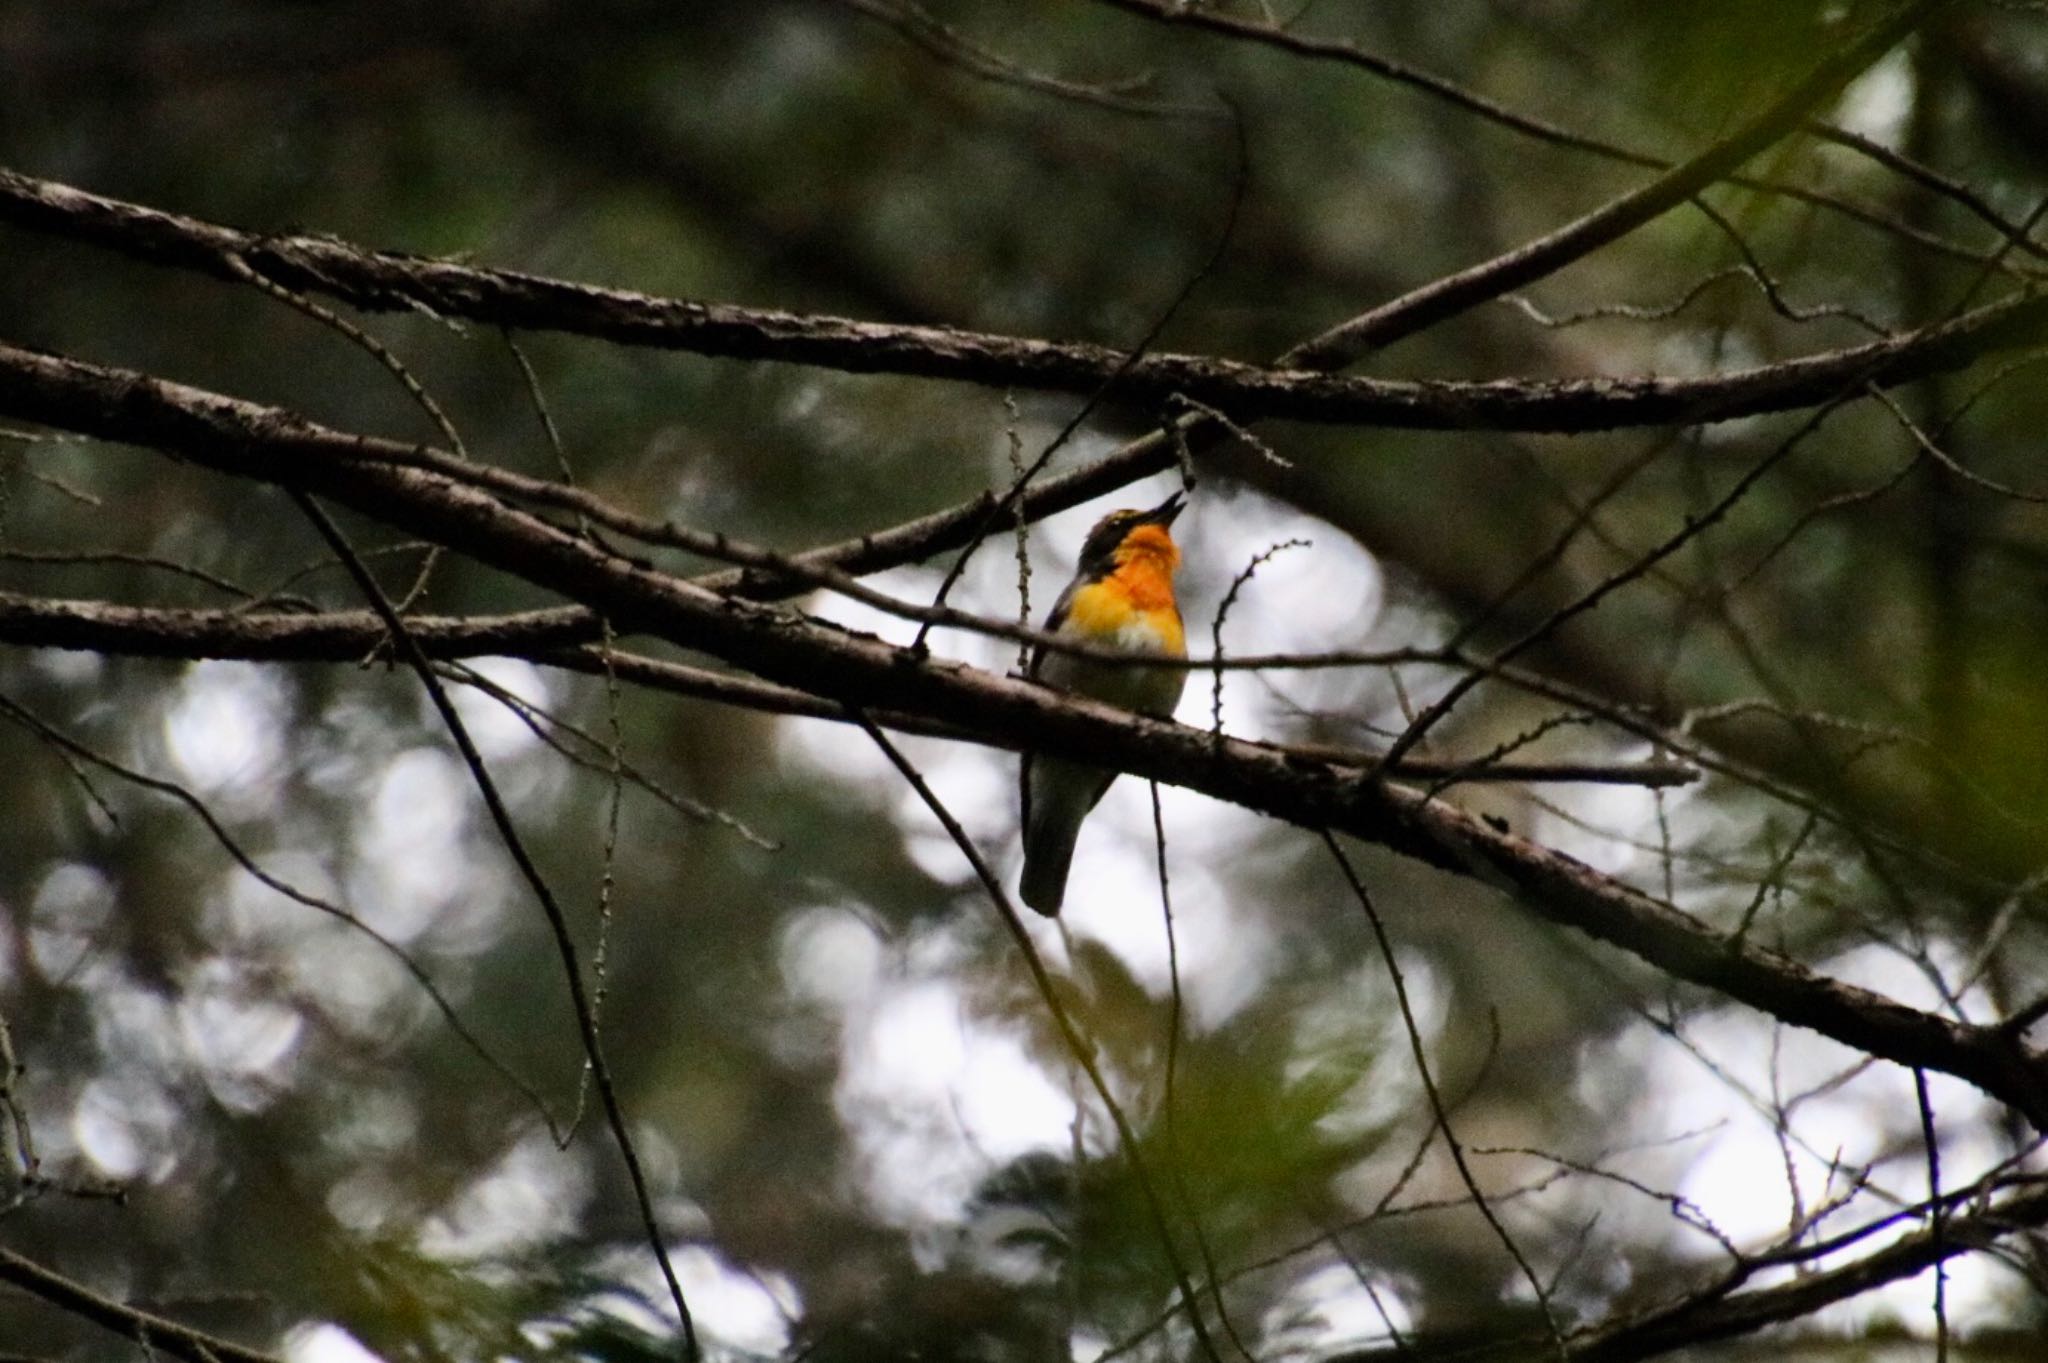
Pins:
x: 864, y: 1137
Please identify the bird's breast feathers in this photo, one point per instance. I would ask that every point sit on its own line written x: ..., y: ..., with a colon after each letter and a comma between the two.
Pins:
x: 1109, y: 613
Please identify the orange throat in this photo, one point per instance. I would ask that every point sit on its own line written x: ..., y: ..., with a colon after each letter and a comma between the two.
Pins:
x: 1145, y: 563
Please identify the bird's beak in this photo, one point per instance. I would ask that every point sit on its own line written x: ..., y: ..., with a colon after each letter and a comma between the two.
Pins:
x: 1164, y: 513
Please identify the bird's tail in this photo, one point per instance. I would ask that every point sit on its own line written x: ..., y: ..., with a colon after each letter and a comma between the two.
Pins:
x: 1048, y: 853
x: 1058, y: 796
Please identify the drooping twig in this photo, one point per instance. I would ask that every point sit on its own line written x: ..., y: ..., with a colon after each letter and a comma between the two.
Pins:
x: 1936, y: 1212
x: 390, y: 363
x: 1773, y: 291
x: 1436, y: 1102
x: 601, y: 661
x: 1077, y: 1045
x: 558, y: 924
x: 72, y: 749
x: 1169, y: 1113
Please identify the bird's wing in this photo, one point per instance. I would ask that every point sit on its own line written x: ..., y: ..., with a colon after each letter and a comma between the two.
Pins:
x: 1024, y: 790
x: 1053, y: 620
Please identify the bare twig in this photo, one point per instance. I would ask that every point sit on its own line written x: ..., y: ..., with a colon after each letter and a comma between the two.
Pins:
x: 1237, y: 584
x: 74, y: 750
x: 1693, y: 527
x: 1168, y: 1107
x: 917, y: 26
x: 1936, y: 1213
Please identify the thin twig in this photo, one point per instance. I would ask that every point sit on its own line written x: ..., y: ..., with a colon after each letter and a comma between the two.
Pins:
x: 1237, y: 585
x: 949, y: 45
x: 73, y: 750
x: 1694, y: 526
x: 1936, y: 1213
x: 1436, y: 1101
x: 1177, y: 1165
x: 1453, y: 294
x: 602, y: 662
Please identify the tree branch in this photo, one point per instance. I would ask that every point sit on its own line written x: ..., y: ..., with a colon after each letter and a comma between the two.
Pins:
x: 1533, y: 260
x: 1716, y: 1314
x: 1336, y: 50
x: 152, y: 1332
x: 556, y: 638
x: 280, y: 447
x: 389, y: 281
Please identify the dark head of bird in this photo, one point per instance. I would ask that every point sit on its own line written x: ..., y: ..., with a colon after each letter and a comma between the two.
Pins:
x: 1099, y: 549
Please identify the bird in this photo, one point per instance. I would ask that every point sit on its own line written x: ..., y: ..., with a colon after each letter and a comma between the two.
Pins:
x: 1121, y: 598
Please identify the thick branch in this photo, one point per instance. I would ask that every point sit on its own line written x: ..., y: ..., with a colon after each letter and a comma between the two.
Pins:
x: 388, y: 281
x: 561, y: 638
x: 280, y: 447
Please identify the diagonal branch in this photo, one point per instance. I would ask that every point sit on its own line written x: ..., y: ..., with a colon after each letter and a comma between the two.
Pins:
x: 1534, y: 260
x: 1693, y: 1322
x: 558, y: 924
x: 151, y: 1332
x: 274, y: 446
x: 1338, y: 51
x: 1718, y: 1314
x: 1079, y: 1046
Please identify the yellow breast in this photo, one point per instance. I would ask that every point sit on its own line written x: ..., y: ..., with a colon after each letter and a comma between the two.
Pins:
x: 1109, y: 613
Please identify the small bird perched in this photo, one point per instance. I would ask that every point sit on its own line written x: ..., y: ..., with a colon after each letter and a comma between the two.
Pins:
x: 1121, y: 598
